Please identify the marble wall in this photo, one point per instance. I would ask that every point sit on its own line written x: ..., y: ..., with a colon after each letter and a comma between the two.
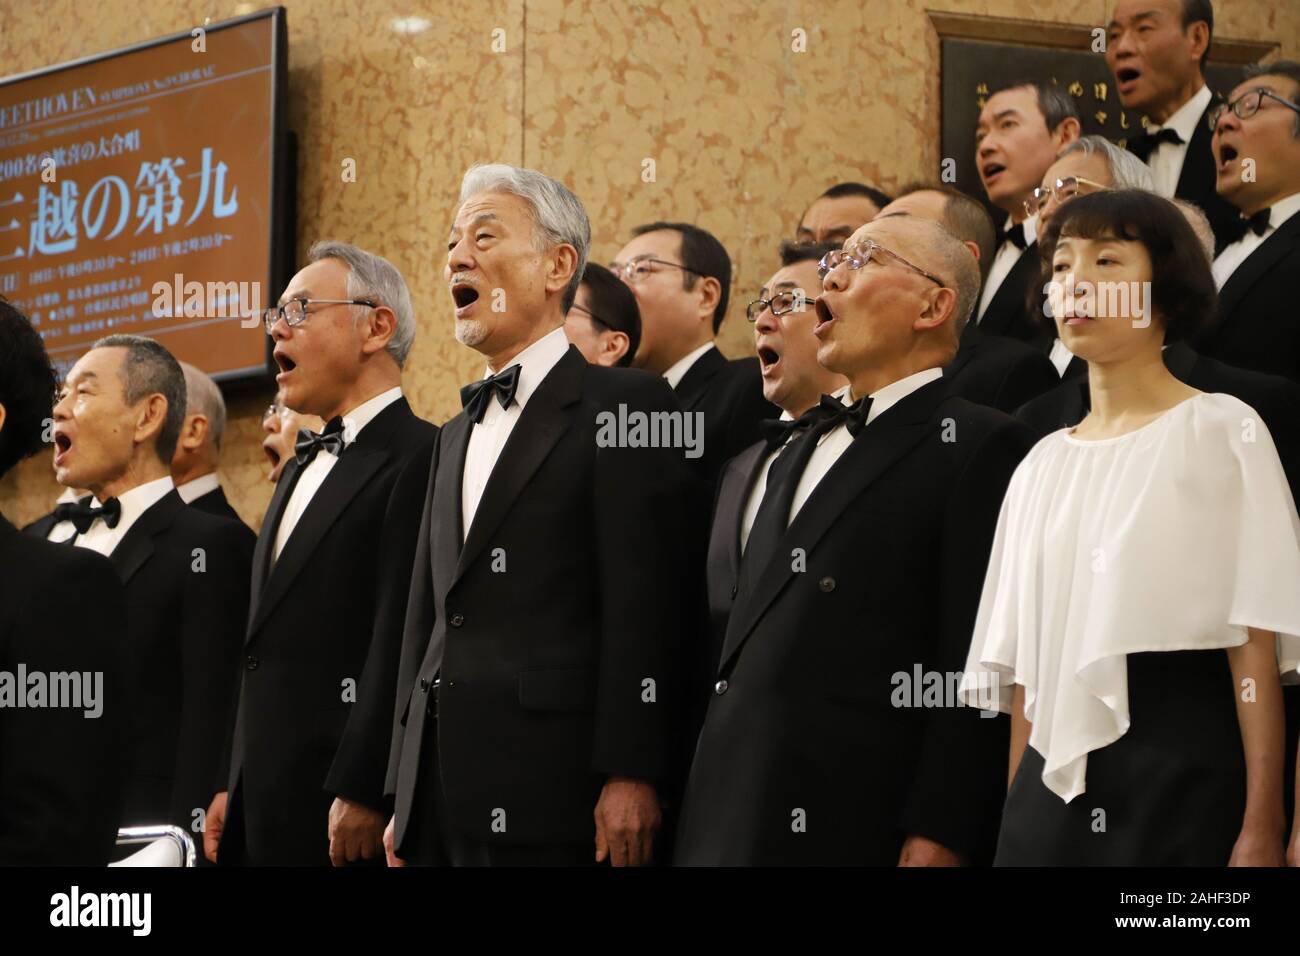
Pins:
x: 743, y: 131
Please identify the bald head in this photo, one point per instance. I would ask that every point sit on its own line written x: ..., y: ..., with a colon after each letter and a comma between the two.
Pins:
x: 930, y: 246
x: 203, y: 397
x: 961, y: 215
x: 198, y: 449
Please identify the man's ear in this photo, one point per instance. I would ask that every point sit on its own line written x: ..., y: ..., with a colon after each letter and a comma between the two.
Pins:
x: 194, y: 432
x: 383, y: 326
x: 973, y: 247
x: 151, y: 414
x: 1066, y: 133
x: 2, y: 416
x: 940, y: 308
x: 615, y: 345
x: 711, y: 290
x: 563, y: 264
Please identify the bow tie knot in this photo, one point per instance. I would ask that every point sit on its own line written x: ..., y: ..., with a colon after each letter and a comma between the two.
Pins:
x: 83, y: 513
x: 1145, y: 144
x: 475, y: 396
x: 777, y: 431
x: 836, y: 413
x: 309, y: 443
x: 1013, y: 234
x: 1258, y: 224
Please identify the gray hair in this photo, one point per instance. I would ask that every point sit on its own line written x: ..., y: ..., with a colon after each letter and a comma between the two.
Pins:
x: 204, y: 398
x: 1200, y: 225
x: 374, y: 277
x: 557, y: 213
x: 1126, y: 170
x: 949, y: 258
x: 149, y: 369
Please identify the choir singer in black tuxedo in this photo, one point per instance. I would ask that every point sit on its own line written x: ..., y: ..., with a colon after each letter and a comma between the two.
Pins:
x: 185, y: 572
x: 537, y: 715
x: 62, y: 610
x: 303, y: 780
x: 861, y: 576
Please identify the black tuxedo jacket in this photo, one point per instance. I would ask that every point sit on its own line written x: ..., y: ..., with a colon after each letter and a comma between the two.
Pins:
x: 215, y: 503
x: 1010, y: 312
x: 185, y: 574
x: 552, y: 619
x: 42, y: 526
x: 306, y: 707
x: 1257, y: 325
x: 1198, y: 181
x: 61, y: 773
x: 804, y: 758
x: 997, y: 371
x: 730, y: 394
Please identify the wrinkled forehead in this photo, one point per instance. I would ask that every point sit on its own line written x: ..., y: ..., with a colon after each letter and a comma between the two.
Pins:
x: 898, y: 234
x: 104, y: 364
x: 1281, y: 85
x: 491, y: 206
x: 1092, y: 167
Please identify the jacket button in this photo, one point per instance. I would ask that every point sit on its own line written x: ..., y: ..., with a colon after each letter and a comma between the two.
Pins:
x: 251, y: 663
x: 733, y: 590
x: 827, y: 584
x: 456, y: 620
x: 720, y: 687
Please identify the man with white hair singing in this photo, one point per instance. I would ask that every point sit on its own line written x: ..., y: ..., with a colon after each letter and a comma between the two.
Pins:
x: 538, y: 705
x: 302, y: 782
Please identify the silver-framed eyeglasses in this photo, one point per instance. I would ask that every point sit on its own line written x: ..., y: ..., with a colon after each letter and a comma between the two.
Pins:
x: 783, y: 303
x: 864, y: 252
x: 294, y: 312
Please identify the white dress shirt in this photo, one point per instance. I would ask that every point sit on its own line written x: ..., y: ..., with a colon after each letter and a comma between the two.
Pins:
x: 836, y: 442
x: 488, y: 437
x: 63, y: 530
x: 100, y: 537
x: 678, y: 371
x: 1004, y: 260
x: 314, y: 475
x: 1166, y: 160
x: 200, y: 486
x: 1060, y: 357
x: 1235, y: 253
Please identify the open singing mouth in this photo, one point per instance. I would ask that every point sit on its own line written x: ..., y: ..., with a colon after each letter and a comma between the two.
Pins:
x: 464, y: 294
x: 286, y: 364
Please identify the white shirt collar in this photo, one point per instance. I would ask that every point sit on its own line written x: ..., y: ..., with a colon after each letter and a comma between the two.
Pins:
x: 535, y: 363
x: 200, y: 486
x: 366, y: 412
x: 885, y: 398
x: 1282, y: 210
x: 69, y: 496
x: 678, y: 371
x: 1185, y: 118
x: 140, y: 499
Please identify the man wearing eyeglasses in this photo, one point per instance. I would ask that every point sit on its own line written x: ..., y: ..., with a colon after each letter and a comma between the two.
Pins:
x: 1257, y: 147
x: 681, y: 276
x: 302, y: 783
x: 1021, y: 129
x: 603, y: 321
x: 281, y: 425
x: 1156, y: 51
x: 862, y: 573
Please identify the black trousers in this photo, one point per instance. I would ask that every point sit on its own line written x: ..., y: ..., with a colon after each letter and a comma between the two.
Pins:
x: 431, y: 840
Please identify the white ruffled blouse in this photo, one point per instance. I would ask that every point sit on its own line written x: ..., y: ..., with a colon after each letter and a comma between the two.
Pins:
x: 1176, y: 536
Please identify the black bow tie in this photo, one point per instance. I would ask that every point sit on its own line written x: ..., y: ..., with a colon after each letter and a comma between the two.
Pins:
x: 1016, y: 234
x: 1258, y: 224
x: 835, y: 413
x: 777, y: 431
x: 1144, y: 145
x: 309, y: 443
x: 83, y: 513
x: 475, y: 396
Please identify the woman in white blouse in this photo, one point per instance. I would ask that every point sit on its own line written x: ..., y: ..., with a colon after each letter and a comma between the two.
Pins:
x: 1142, y: 601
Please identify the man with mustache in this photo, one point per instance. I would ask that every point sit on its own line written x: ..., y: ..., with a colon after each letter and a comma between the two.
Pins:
x: 537, y: 719
x: 302, y: 783
x: 863, y: 567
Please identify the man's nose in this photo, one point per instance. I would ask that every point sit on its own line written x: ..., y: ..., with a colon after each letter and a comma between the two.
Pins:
x: 459, y: 258
x: 280, y: 329
x: 61, y: 412
x: 766, y: 321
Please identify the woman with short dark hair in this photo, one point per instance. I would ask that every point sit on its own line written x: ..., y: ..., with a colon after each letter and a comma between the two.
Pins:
x: 1141, y: 598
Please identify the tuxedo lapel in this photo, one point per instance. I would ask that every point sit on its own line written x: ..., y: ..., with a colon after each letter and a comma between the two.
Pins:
x: 270, y: 526
x: 879, y: 446
x: 446, y: 513
x: 1009, y: 303
x: 1257, y: 264
x: 1198, y: 161
x: 544, y: 419
x: 728, y: 514
x: 136, y: 546
x: 691, y: 389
